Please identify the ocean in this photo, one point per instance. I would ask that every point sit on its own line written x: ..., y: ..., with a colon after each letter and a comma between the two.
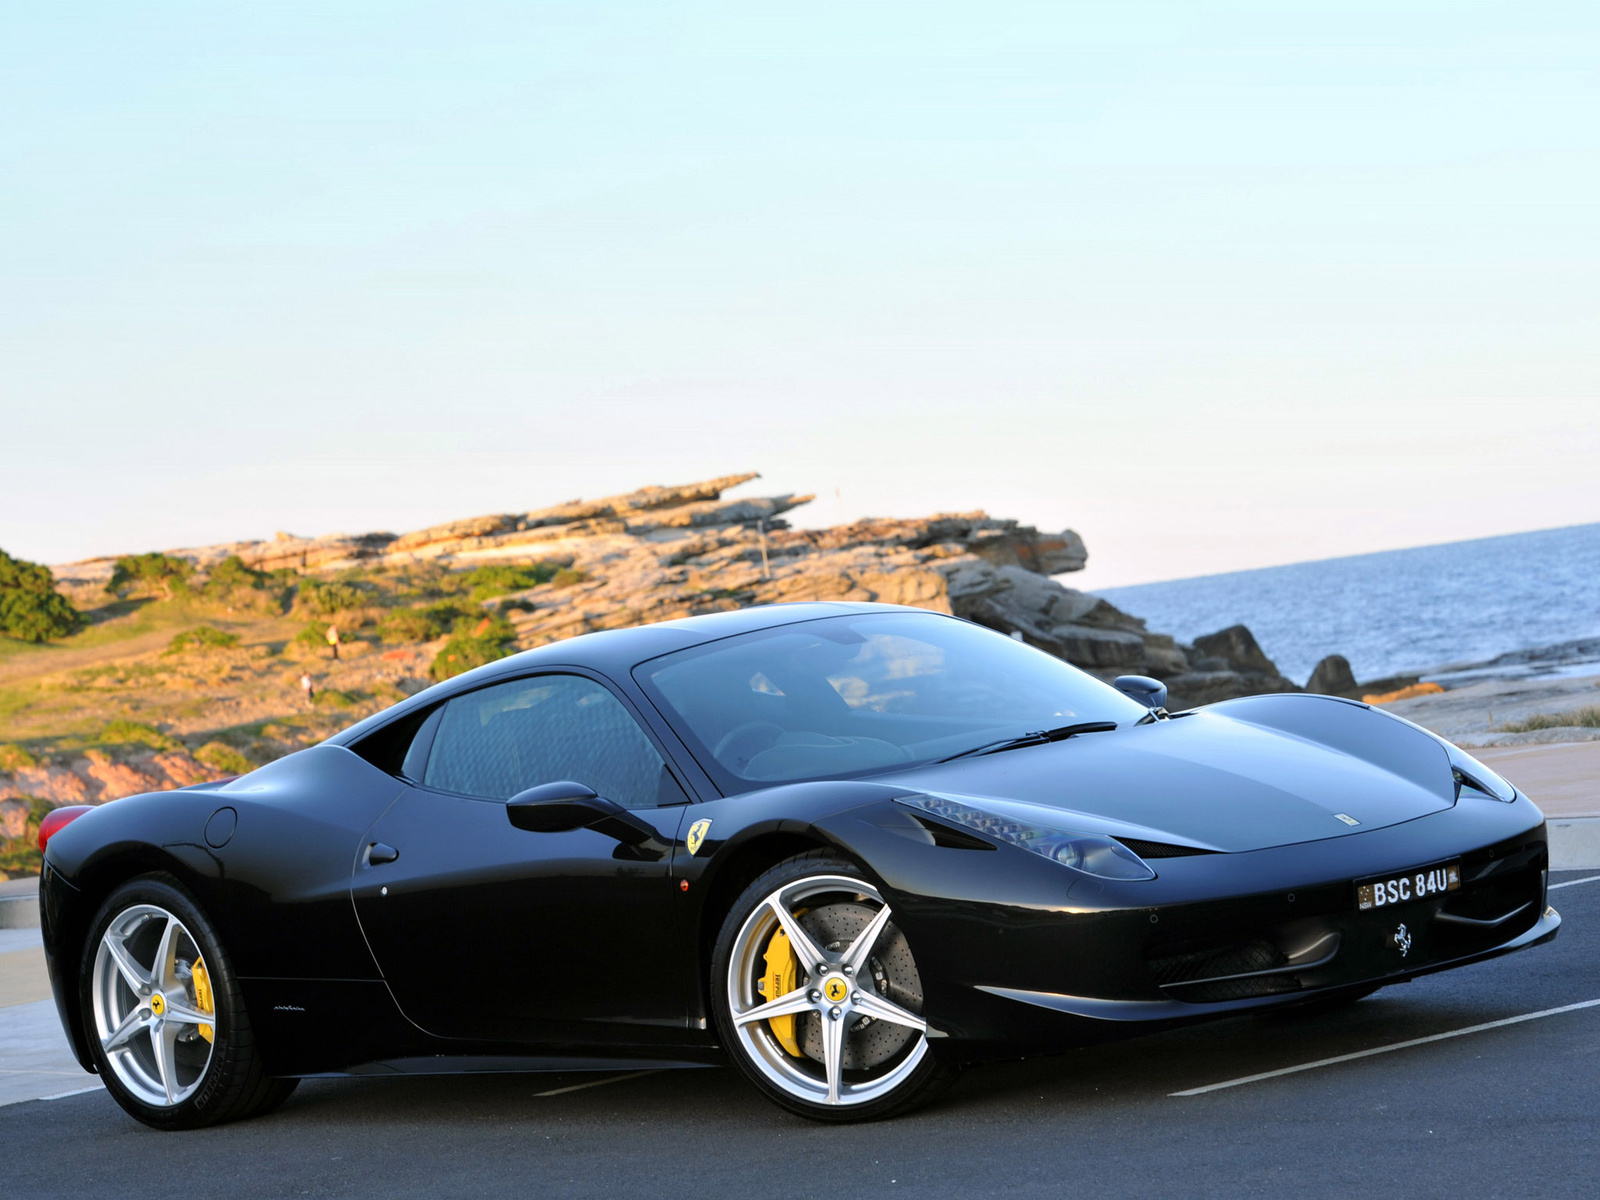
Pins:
x: 1399, y: 611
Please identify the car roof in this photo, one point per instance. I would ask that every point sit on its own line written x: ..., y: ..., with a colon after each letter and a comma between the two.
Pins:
x: 615, y: 652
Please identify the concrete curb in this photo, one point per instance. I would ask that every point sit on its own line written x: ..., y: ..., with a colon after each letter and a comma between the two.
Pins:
x: 19, y: 912
x: 1574, y: 843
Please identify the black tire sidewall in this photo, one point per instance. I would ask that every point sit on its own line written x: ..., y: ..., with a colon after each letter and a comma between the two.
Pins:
x: 208, y: 1103
x: 927, y: 1080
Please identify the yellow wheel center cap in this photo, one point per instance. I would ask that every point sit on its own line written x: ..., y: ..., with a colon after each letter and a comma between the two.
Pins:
x: 836, y: 989
x: 158, y: 1004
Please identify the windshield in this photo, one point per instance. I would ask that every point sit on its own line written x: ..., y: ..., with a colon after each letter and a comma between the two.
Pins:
x: 851, y: 695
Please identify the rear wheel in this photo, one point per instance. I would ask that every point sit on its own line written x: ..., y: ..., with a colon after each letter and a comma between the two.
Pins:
x: 817, y: 996
x: 165, y: 1020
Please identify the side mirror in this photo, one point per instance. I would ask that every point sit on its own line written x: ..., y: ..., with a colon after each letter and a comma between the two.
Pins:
x: 1151, y: 693
x: 558, y: 807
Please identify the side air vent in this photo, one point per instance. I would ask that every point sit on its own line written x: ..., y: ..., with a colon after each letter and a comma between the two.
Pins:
x: 1146, y: 849
x: 951, y: 838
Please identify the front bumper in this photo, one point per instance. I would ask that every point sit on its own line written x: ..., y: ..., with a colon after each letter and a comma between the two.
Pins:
x: 1221, y: 934
x: 1543, y: 930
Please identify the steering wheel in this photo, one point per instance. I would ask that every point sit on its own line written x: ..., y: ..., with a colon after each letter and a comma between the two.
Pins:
x: 752, y: 737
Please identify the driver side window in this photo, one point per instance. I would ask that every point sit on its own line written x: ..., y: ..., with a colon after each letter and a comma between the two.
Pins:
x: 504, y: 739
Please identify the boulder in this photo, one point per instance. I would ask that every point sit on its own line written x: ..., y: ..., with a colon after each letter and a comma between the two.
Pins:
x: 1111, y: 651
x: 1237, y: 647
x: 1333, y: 677
x: 1223, y: 665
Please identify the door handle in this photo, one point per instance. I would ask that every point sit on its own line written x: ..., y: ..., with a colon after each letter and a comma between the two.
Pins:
x: 378, y: 854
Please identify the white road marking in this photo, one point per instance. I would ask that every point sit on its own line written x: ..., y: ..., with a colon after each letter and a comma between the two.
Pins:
x: 38, y: 1071
x: 578, y: 1087
x: 98, y: 1087
x: 1422, y: 1041
x: 1573, y: 882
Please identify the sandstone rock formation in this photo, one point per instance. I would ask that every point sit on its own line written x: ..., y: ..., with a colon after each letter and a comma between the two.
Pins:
x: 497, y: 536
x: 665, y: 552
x: 92, y: 778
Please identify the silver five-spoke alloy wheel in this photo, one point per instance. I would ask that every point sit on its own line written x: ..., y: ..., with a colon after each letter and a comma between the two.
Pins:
x: 855, y: 986
x: 153, y: 1009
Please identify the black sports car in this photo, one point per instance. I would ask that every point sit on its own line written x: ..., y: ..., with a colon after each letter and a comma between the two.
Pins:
x: 847, y: 847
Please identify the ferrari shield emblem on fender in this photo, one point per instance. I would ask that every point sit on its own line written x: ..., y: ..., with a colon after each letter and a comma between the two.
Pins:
x: 697, y: 835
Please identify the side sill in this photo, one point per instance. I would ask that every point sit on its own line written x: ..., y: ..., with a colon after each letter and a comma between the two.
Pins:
x: 469, y: 1064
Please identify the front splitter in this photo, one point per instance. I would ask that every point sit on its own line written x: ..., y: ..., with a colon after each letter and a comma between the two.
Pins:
x: 1099, y: 1009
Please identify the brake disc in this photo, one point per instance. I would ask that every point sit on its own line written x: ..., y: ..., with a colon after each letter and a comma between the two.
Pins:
x: 894, y: 976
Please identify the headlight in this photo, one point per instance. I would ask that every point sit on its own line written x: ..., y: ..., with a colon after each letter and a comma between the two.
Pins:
x: 1091, y: 853
x: 1468, y: 771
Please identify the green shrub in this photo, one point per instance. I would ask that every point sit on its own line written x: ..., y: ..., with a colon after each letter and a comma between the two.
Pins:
x: 315, y: 635
x: 201, y: 637
x: 1581, y: 718
x: 232, y: 572
x: 410, y: 625
x: 30, y: 607
x: 153, y: 571
x: 15, y: 758
x: 222, y: 757
x: 500, y: 578
x: 478, y: 638
x: 566, y: 577
x: 463, y: 653
x: 425, y: 622
x: 123, y: 732
x: 328, y: 596
x: 333, y: 698
x: 237, y: 586
x: 482, y: 626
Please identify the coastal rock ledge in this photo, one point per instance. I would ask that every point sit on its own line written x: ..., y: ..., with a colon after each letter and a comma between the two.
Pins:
x: 660, y: 553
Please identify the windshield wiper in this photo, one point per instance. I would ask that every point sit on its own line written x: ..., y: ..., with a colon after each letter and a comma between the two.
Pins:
x: 1037, y: 738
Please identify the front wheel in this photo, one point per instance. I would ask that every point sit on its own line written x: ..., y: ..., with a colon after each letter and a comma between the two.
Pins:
x: 166, y: 1023
x: 817, y: 997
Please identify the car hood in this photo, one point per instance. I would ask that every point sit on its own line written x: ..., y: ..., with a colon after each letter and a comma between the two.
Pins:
x: 1241, y: 775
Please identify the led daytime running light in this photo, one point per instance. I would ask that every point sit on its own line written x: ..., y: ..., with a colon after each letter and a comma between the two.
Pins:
x: 1091, y: 853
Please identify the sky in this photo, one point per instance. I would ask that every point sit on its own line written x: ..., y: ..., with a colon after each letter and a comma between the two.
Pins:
x: 1216, y: 285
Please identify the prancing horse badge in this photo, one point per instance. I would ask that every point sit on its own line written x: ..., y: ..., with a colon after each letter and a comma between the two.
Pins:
x: 697, y: 835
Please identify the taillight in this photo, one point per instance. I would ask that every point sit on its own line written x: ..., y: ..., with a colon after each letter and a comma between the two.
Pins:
x: 58, y: 819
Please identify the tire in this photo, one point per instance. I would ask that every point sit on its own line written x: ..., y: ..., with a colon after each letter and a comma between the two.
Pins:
x: 150, y: 964
x: 848, y: 1042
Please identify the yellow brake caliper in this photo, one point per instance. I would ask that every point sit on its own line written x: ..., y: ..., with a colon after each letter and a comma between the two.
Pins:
x: 779, y: 980
x: 204, y: 1001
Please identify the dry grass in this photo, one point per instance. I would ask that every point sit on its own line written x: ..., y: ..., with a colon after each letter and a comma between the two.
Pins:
x: 1582, y: 718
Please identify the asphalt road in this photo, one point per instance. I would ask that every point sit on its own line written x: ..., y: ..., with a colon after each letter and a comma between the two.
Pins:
x: 1512, y: 1111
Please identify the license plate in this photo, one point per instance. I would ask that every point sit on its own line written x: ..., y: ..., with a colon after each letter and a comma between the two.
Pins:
x: 1412, y: 885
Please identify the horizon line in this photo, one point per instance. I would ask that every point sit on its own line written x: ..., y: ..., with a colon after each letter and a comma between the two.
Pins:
x: 1307, y: 562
